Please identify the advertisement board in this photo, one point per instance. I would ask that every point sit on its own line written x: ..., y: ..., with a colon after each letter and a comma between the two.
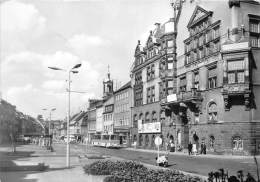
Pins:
x: 149, y: 127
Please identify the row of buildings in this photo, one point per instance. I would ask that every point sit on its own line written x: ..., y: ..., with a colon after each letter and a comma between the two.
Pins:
x: 196, y: 79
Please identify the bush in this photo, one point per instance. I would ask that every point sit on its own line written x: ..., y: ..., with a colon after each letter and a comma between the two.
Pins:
x: 129, y: 171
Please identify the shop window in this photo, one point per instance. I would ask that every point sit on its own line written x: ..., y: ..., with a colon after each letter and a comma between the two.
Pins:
x: 146, y: 140
x: 135, y: 138
x: 152, y: 142
x: 211, y: 142
x: 237, y: 143
x: 140, y: 140
x: 212, y: 112
x: 236, y: 71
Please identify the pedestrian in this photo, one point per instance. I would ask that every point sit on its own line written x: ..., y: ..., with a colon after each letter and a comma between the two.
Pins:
x: 189, y: 148
x: 204, y: 149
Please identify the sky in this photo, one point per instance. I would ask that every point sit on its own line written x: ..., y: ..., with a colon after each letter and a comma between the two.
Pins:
x: 36, y: 34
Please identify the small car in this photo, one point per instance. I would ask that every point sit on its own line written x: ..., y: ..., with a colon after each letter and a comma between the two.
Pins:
x: 162, y: 161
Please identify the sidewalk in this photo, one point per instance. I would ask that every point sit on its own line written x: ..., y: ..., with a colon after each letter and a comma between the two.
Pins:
x: 198, y: 155
x: 57, y: 172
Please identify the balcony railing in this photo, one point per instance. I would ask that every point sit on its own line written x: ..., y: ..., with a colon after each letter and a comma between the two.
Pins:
x: 194, y: 94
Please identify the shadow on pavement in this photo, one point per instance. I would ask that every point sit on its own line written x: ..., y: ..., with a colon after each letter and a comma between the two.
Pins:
x: 11, y: 172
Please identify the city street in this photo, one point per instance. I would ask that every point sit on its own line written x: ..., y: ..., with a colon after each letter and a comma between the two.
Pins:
x: 193, y: 164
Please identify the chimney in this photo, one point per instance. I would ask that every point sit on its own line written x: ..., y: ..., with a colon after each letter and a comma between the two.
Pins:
x: 234, y: 5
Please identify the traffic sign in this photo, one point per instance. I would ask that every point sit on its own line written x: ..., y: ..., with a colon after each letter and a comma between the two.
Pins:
x: 158, y: 141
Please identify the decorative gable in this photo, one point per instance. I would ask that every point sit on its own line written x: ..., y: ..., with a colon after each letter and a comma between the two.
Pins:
x: 198, y: 15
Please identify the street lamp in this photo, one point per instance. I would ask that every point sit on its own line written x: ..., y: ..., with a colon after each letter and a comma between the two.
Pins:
x: 53, y: 109
x: 68, y: 117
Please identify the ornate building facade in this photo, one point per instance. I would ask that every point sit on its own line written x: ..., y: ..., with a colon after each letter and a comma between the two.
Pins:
x: 217, y: 78
x: 152, y: 79
x: 202, y: 84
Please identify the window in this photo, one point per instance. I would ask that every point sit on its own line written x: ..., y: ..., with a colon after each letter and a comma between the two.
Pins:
x: 170, y: 43
x: 208, y: 36
x: 162, y: 116
x: 237, y: 143
x: 236, y: 71
x: 212, y: 77
x: 147, y: 119
x: 150, y: 72
x: 154, y: 117
x: 170, y: 66
x: 211, y: 142
x: 215, y: 33
x: 183, y: 84
x: 196, y: 80
x: 254, y: 28
x: 212, y: 112
x: 141, y: 117
x: 150, y: 94
x: 138, y: 78
x: 201, y: 40
x: 138, y: 96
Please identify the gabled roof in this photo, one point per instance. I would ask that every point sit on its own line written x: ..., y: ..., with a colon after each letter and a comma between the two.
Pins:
x: 198, y: 14
x: 125, y: 86
x: 77, y: 118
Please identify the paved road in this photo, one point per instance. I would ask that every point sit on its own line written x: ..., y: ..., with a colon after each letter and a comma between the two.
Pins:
x: 193, y: 164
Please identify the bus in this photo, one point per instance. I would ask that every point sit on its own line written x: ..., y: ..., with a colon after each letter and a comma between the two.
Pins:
x: 108, y: 141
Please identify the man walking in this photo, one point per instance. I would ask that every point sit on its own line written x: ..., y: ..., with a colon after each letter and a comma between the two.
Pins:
x: 189, y: 148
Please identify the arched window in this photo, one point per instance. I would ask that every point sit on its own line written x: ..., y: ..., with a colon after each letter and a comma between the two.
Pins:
x: 135, y: 123
x: 162, y: 116
x: 146, y: 140
x: 237, y: 143
x: 147, y: 118
x: 141, y: 117
x: 135, y: 138
x: 152, y: 143
x: 212, y: 112
x: 140, y: 140
x: 154, y: 117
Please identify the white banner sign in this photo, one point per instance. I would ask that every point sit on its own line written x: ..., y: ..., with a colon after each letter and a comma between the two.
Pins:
x: 149, y: 127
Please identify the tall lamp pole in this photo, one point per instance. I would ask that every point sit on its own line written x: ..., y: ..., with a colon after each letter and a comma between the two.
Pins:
x: 72, y: 70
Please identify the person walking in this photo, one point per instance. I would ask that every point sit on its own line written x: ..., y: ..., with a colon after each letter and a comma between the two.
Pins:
x: 189, y: 148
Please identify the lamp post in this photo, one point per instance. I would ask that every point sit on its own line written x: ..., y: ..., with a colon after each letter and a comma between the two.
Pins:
x: 72, y: 70
x: 53, y: 109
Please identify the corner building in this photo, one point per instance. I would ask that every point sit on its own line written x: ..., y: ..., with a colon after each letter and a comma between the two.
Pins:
x: 218, y: 92
x: 152, y: 79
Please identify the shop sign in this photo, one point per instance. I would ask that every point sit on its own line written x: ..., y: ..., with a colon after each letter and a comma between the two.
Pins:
x: 171, y: 98
x: 149, y: 127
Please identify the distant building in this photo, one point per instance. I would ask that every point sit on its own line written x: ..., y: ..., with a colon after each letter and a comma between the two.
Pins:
x: 92, y: 117
x: 122, y: 113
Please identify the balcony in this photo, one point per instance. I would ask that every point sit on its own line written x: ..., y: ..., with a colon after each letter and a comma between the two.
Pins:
x: 193, y: 95
x: 236, y: 88
x: 166, y: 73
